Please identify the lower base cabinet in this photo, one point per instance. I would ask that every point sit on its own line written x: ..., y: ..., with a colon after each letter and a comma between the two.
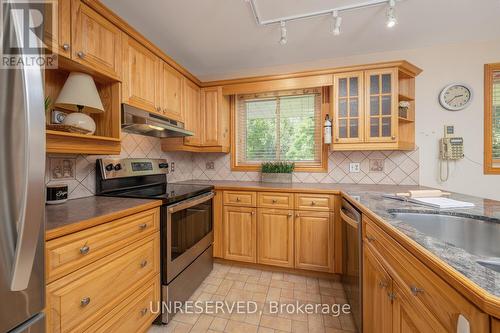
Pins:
x: 240, y: 228
x: 275, y: 237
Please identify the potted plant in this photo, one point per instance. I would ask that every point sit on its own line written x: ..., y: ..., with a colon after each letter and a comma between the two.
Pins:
x: 277, y: 172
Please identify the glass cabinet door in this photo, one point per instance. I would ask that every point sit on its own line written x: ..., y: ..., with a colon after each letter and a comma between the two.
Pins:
x: 381, y: 105
x: 348, y: 107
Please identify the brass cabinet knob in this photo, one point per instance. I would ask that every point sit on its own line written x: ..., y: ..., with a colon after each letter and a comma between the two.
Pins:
x: 415, y: 290
x: 393, y: 137
x: 158, y: 109
x: 84, y: 249
x: 85, y: 301
x: 80, y: 54
x: 290, y: 214
x: 65, y: 46
x: 252, y: 213
x: 383, y: 284
x: 144, y: 263
x: 313, y: 203
x: 275, y: 201
x: 144, y: 311
x: 297, y: 215
x: 370, y: 238
x: 143, y: 226
x: 238, y: 199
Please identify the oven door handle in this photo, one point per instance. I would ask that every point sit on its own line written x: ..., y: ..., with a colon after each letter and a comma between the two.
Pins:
x: 191, y: 203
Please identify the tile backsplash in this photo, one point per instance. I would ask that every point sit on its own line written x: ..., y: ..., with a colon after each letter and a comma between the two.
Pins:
x: 375, y: 167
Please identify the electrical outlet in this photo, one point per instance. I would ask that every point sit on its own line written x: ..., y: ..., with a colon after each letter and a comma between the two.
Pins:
x: 354, y: 167
x: 210, y: 165
x: 172, y: 166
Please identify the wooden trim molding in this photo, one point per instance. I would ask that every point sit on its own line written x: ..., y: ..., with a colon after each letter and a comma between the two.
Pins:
x: 488, y: 119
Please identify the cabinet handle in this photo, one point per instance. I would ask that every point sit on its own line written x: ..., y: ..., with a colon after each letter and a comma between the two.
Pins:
x: 337, y: 139
x: 158, y: 109
x: 84, y: 249
x: 144, y: 263
x: 290, y: 214
x: 313, y: 203
x: 297, y: 215
x: 392, y: 296
x: 275, y: 201
x: 238, y: 199
x: 383, y: 284
x: 252, y: 213
x: 144, y: 311
x: 142, y: 226
x: 393, y: 137
x: 370, y: 238
x: 65, y: 46
x: 80, y: 54
x: 415, y: 290
x: 85, y: 301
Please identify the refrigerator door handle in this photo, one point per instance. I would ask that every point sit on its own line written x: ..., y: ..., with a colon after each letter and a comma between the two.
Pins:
x: 32, y: 214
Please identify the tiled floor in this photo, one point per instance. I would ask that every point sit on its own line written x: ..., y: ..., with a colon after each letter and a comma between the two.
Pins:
x: 233, y: 283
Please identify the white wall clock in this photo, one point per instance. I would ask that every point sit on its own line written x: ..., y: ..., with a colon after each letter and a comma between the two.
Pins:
x: 455, y: 97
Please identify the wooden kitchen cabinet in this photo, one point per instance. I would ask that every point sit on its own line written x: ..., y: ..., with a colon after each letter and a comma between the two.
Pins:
x: 140, y: 76
x: 192, y: 112
x: 240, y: 232
x: 377, y: 296
x: 171, y: 92
x: 348, y: 96
x: 275, y: 237
x: 57, y: 28
x: 218, y: 216
x: 96, y: 42
x: 314, y: 240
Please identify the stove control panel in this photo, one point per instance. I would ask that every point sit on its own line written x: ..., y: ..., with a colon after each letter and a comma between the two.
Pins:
x: 129, y: 167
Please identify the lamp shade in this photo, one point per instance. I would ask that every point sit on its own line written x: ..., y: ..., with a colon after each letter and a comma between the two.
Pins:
x: 79, y: 90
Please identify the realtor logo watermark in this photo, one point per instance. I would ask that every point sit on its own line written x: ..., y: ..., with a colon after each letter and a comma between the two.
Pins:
x: 28, y: 34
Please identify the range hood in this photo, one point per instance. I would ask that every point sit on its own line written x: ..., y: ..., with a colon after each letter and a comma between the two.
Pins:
x: 138, y: 121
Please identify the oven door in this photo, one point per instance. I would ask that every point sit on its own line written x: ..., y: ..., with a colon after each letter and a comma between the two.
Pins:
x: 189, y: 232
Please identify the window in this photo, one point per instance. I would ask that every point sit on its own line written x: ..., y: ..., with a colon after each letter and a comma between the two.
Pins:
x: 492, y: 119
x: 279, y: 126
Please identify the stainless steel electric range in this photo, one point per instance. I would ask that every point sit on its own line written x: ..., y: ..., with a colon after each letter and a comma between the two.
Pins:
x: 186, y: 221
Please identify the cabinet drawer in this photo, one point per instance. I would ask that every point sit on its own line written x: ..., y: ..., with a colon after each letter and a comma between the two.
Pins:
x: 317, y: 202
x: 79, y: 299
x: 275, y: 200
x: 66, y: 254
x: 240, y: 198
x: 425, y: 286
x: 134, y: 313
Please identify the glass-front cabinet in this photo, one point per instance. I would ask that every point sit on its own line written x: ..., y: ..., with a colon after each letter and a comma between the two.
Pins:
x: 348, y: 97
x: 381, y: 106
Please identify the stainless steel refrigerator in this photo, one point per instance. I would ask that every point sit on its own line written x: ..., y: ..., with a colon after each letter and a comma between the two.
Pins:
x: 22, y: 208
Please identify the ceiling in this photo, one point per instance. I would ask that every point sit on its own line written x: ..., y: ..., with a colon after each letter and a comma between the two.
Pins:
x: 214, y: 38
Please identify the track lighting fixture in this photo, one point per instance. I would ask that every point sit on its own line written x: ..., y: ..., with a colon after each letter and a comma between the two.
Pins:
x: 391, y: 17
x: 283, y: 39
x: 337, y: 21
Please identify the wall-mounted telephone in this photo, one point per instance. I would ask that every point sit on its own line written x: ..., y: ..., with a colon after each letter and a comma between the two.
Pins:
x: 451, y: 147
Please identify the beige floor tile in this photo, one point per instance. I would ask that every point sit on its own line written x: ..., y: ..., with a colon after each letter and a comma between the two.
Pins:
x: 265, y: 330
x: 294, y: 278
x: 276, y: 323
x: 213, y: 280
x: 236, y: 277
x: 224, y: 287
x: 273, y: 294
x: 299, y: 326
x: 210, y: 288
x: 178, y: 327
x: 240, y: 327
x: 257, y: 288
x: 203, y: 324
x: 282, y: 284
x: 331, y: 321
x: 287, y: 293
x: 187, y: 318
x: 277, y: 276
x: 218, y: 324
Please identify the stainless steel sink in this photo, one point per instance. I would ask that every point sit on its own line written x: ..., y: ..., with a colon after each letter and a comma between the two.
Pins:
x: 478, y: 237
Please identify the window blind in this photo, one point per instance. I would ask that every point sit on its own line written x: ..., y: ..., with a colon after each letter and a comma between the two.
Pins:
x: 496, y: 116
x: 279, y: 126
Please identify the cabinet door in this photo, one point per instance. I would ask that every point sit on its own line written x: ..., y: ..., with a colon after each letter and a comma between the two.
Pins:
x: 96, y: 41
x: 275, y: 237
x: 140, y: 76
x: 218, y: 232
x: 192, y: 114
x: 57, y: 27
x: 171, y: 93
x: 407, y: 316
x: 381, y: 105
x: 377, y: 291
x: 240, y: 231
x: 348, y: 107
x: 215, y: 112
x: 314, y: 241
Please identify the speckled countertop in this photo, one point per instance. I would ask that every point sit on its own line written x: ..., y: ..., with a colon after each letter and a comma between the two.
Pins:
x: 371, y: 198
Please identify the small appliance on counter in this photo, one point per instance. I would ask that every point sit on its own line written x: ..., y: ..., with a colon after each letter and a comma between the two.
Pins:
x: 186, y: 223
x: 57, y: 194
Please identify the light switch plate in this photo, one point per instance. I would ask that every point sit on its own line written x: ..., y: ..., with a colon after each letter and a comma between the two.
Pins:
x: 354, y: 167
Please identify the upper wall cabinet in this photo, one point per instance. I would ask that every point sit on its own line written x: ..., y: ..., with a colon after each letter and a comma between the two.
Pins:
x: 96, y: 42
x: 140, y: 76
x: 192, y: 112
x: 367, y: 111
x: 171, y: 92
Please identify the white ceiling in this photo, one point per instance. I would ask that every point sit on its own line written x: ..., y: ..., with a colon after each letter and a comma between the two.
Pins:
x: 213, y: 38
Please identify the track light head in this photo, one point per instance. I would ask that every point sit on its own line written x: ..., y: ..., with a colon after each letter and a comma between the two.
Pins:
x: 391, y: 16
x: 283, y: 39
x: 337, y: 22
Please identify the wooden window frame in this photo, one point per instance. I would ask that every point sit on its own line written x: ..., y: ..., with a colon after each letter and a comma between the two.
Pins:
x: 322, y: 166
x: 488, y: 119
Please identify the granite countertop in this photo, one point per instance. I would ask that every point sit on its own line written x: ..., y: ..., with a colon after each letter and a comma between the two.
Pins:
x: 370, y: 198
x: 78, y: 214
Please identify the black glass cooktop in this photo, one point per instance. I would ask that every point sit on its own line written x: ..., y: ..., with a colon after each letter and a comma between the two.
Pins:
x: 169, y: 193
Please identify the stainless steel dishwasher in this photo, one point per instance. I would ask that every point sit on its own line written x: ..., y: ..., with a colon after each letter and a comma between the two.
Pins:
x: 352, y: 260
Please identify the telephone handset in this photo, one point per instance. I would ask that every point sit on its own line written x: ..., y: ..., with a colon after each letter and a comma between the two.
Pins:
x: 450, y: 148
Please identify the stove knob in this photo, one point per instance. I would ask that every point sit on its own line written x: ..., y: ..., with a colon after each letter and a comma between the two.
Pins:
x: 118, y: 167
x: 109, y: 167
x: 163, y: 165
